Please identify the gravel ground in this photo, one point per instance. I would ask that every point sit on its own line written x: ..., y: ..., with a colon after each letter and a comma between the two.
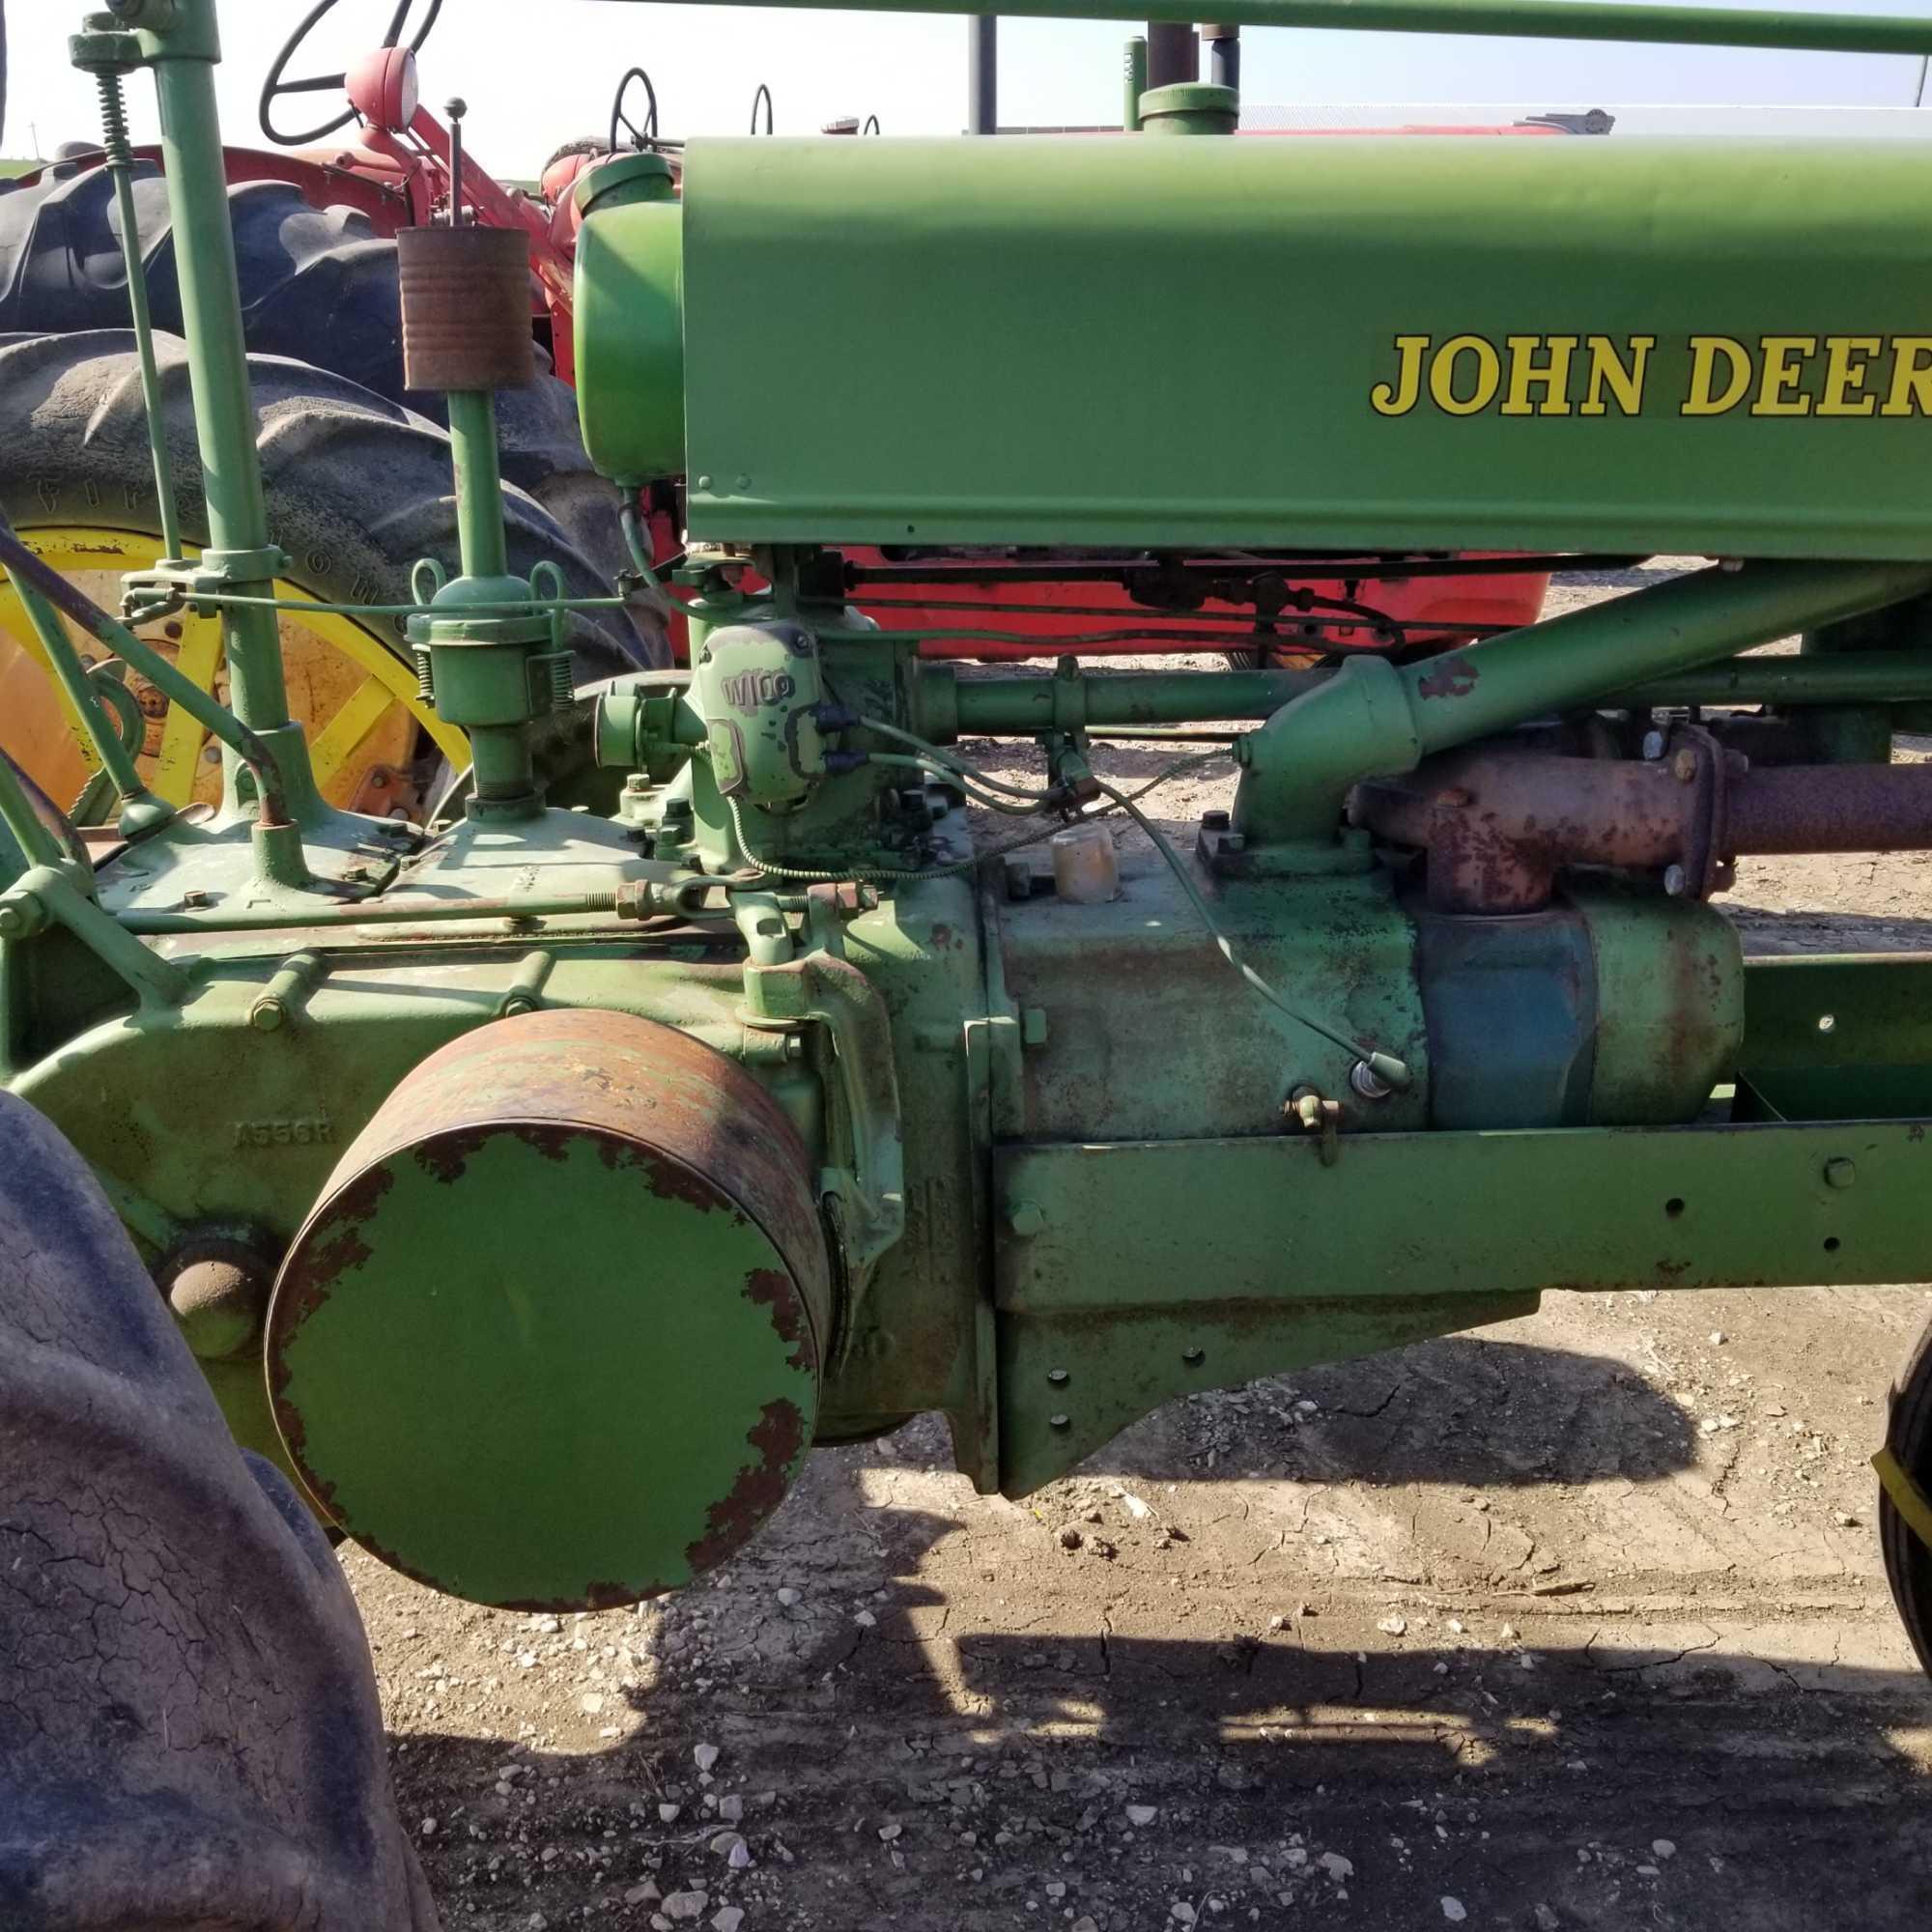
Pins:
x: 1578, y: 1623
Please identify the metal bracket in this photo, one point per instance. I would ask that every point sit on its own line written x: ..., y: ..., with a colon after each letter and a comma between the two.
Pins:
x: 172, y: 584
x: 870, y: 1194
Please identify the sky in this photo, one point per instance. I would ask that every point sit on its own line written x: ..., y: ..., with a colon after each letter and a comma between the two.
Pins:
x: 538, y: 72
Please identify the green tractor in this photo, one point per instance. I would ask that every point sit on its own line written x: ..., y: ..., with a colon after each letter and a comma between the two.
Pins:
x: 830, y: 1074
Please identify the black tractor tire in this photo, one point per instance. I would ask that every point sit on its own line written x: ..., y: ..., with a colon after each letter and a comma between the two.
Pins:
x: 190, y: 1733
x: 359, y: 488
x: 1908, y: 1561
x: 318, y: 285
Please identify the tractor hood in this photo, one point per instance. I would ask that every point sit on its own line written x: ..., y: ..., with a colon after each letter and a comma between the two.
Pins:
x: 1719, y: 346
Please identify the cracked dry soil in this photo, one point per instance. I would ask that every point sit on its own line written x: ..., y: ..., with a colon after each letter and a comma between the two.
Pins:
x: 1575, y: 1623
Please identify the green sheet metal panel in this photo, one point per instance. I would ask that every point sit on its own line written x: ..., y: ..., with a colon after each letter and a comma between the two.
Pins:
x: 1115, y: 341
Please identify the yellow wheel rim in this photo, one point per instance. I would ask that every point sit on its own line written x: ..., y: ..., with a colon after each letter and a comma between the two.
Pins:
x: 353, y: 695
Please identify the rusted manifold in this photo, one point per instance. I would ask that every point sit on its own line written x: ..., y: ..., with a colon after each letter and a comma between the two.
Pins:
x: 1497, y: 825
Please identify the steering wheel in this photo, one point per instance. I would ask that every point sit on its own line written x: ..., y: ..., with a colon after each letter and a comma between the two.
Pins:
x: 274, y: 87
x: 620, y: 121
x: 763, y: 94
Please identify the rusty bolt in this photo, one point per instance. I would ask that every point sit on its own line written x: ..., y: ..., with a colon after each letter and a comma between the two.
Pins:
x: 1676, y: 881
x: 1684, y: 766
x: 198, y: 901
x: 1456, y: 796
x: 1026, y: 1219
x: 1840, y: 1172
x: 852, y: 897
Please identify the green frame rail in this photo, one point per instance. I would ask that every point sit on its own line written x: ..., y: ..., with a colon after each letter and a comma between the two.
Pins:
x: 1533, y: 19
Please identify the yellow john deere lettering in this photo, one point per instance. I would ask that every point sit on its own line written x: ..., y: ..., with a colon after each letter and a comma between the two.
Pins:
x: 1470, y: 375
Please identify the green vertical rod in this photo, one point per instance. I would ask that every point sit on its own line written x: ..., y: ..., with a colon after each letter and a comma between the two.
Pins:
x: 1135, y: 80
x: 499, y: 755
x: 479, y: 484
x: 224, y: 413
x: 150, y: 375
x: 141, y: 811
x: 115, y: 145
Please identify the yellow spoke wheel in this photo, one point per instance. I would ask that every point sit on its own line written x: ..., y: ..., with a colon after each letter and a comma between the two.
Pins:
x: 356, y: 699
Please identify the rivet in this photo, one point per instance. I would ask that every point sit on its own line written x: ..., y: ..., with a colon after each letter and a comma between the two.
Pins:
x: 1676, y: 881
x: 1840, y: 1172
x: 1025, y: 1219
x: 1652, y: 744
x: 1194, y: 1357
x: 1060, y: 1421
x: 1055, y: 1376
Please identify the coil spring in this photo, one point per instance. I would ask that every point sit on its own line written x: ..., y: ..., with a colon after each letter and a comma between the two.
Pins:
x: 114, y: 141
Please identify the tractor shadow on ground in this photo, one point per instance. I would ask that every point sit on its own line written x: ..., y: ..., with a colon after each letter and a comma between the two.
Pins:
x: 938, y: 1662
x: 1461, y: 1409
x: 1036, y: 1740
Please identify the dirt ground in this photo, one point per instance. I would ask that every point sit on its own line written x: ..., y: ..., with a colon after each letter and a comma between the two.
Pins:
x: 1575, y: 1623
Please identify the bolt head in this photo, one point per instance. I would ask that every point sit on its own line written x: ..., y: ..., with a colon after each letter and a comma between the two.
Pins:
x: 1676, y: 881
x: 1684, y: 766
x: 1840, y: 1172
x: 218, y: 1298
x: 1368, y: 1083
x: 1026, y: 1220
x: 1652, y: 744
